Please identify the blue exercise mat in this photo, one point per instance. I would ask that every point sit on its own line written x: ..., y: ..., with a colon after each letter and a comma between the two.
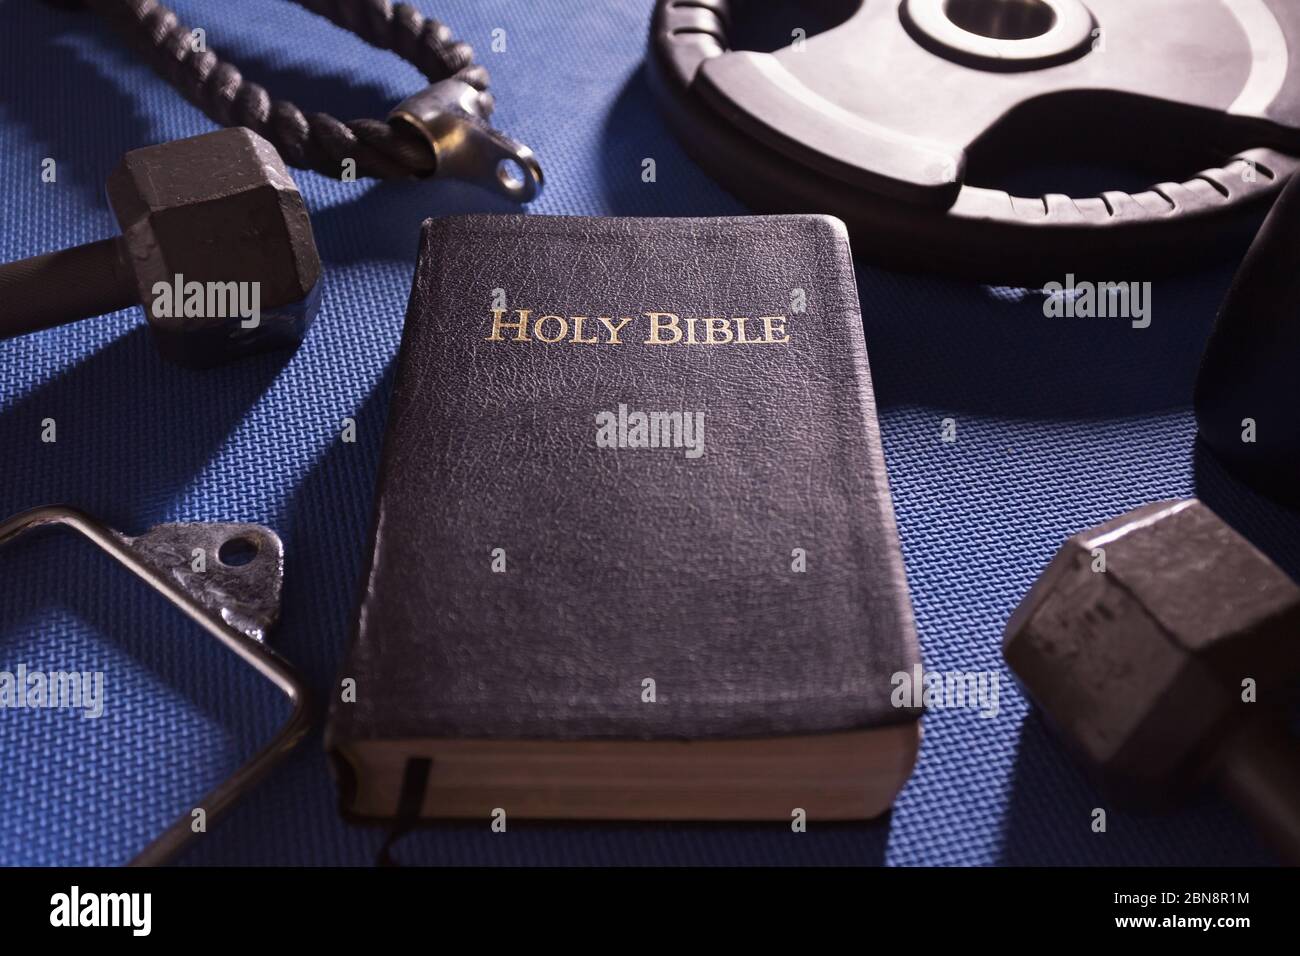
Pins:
x: 1061, y: 424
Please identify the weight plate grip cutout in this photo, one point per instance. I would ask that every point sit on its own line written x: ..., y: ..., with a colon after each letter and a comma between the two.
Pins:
x: 880, y: 119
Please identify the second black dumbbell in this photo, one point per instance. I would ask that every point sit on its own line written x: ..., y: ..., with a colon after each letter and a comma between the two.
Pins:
x: 216, y: 245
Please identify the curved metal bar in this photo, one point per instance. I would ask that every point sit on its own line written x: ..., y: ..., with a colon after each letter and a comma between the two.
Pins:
x: 266, y: 662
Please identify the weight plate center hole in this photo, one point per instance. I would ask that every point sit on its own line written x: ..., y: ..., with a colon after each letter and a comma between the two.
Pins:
x: 1002, y: 19
x: 237, y: 552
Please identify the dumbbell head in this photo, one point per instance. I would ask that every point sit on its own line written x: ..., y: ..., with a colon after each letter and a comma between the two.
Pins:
x: 1137, y: 638
x: 217, y: 209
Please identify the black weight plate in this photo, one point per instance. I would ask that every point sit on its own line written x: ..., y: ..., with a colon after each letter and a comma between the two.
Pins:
x: 875, y: 120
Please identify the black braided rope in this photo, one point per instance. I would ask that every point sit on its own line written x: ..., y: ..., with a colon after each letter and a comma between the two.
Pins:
x: 308, y: 140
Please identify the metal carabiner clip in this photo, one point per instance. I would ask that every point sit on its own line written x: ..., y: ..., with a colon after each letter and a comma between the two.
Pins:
x: 450, y: 116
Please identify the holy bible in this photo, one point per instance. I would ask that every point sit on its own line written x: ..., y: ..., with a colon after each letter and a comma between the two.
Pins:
x: 633, y: 552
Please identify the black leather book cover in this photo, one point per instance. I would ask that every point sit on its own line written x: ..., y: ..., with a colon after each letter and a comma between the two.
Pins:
x: 632, y: 488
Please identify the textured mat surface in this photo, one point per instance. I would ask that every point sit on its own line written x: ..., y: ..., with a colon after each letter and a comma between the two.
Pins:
x: 1061, y: 423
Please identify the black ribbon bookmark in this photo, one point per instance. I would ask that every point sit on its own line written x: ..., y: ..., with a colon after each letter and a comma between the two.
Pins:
x: 409, y: 804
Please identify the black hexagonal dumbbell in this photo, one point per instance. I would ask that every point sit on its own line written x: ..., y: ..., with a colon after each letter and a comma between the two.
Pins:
x: 1159, y: 646
x: 213, y: 228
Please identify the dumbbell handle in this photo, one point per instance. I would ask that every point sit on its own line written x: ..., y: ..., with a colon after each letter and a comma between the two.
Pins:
x: 1261, y: 774
x: 64, y: 286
